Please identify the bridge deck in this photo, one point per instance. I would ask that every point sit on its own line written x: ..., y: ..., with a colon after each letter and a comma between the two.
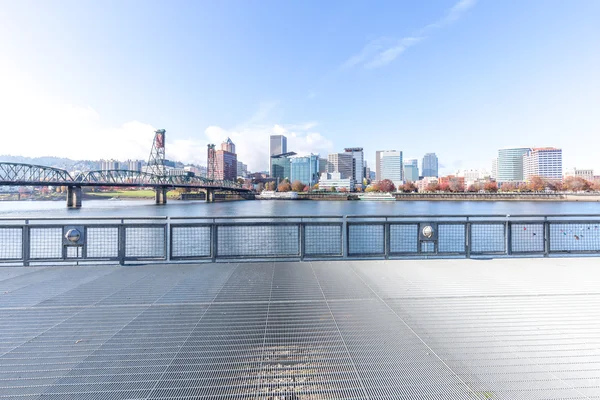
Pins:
x: 437, y: 329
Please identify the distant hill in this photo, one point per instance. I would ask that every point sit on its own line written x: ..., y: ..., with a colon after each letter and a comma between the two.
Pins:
x: 65, y: 163
x: 56, y: 162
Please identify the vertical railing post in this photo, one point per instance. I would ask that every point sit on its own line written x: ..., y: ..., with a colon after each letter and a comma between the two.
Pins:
x: 468, y: 238
x: 508, y: 237
x: 345, y: 237
x: 214, y: 237
x: 168, y: 239
x: 26, y: 244
x: 546, y: 237
x: 386, y: 238
x: 122, y: 240
x: 302, y: 239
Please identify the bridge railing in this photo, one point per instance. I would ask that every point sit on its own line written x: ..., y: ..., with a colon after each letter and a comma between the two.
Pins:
x: 162, y: 239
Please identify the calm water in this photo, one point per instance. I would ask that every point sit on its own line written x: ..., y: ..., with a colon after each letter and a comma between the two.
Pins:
x: 142, y: 208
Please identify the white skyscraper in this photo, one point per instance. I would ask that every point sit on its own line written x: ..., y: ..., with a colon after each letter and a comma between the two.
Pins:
x: 545, y: 162
x: 392, y: 166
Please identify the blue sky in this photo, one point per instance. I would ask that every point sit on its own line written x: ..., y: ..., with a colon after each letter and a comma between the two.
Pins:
x: 462, y: 78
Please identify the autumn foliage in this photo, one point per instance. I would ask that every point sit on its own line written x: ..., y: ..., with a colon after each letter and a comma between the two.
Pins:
x: 297, y: 186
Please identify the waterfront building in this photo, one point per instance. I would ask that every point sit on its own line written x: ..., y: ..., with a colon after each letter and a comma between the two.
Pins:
x: 430, y: 165
x: 280, y: 166
x: 587, y: 174
x: 494, y: 174
x: 470, y: 176
x: 392, y: 166
x: 222, y: 164
x: 242, y: 169
x: 197, y: 171
x: 342, y: 163
x: 378, y: 164
x: 545, y: 162
x: 423, y: 183
x: 411, y: 170
x: 134, y: 165
x: 510, y: 164
x: 335, y: 180
x: 305, y: 169
x: 109, y: 165
x: 357, y: 163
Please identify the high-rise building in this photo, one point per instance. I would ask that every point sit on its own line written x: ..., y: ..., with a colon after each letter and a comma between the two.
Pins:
x: 411, y: 170
x: 134, y: 165
x: 545, y: 162
x: 342, y: 163
x: 430, y: 165
x: 510, y: 164
x: 357, y: 163
x: 110, y: 165
x: 242, y: 169
x: 392, y: 166
x: 277, y: 145
x: 222, y: 164
x: 323, y: 164
x: 280, y: 166
x: 494, y: 168
x: 305, y: 169
x: 228, y: 146
x: 378, y: 165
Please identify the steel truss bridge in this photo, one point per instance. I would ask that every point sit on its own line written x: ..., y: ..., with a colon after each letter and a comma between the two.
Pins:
x: 17, y: 174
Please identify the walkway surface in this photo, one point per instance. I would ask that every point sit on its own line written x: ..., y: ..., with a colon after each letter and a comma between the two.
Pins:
x: 433, y: 329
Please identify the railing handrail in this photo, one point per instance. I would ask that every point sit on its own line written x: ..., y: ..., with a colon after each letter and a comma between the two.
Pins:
x: 268, y: 217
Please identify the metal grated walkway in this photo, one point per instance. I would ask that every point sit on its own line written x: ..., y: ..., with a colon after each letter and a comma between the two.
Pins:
x: 428, y: 329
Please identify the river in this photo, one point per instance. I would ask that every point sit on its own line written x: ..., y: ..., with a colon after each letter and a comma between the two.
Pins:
x: 145, y: 208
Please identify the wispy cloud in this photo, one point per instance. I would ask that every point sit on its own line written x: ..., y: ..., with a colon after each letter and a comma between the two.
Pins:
x: 382, y: 51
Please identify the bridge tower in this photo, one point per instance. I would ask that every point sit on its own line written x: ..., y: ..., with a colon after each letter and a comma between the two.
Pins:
x: 211, y: 162
x: 156, y: 161
x: 156, y: 165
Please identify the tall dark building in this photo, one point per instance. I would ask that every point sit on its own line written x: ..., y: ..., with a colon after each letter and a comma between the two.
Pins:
x: 430, y: 165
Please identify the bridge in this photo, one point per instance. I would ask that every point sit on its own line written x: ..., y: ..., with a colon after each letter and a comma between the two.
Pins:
x: 19, y: 174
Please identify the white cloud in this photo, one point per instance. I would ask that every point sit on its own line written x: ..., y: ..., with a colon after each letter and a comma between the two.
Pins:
x: 380, y: 52
x: 252, y: 141
x: 38, y: 127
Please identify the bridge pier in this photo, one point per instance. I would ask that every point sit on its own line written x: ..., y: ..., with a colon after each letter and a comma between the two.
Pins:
x: 160, y: 195
x: 73, y: 196
x: 210, y: 196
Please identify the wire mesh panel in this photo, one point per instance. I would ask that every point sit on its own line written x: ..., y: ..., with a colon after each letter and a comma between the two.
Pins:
x: 366, y: 239
x: 488, y: 238
x: 404, y: 238
x: 574, y: 237
x: 527, y: 238
x: 258, y: 240
x: 11, y: 243
x: 102, y: 242
x: 45, y: 243
x: 323, y: 240
x: 190, y: 241
x: 427, y: 247
x: 145, y: 242
x: 451, y: 238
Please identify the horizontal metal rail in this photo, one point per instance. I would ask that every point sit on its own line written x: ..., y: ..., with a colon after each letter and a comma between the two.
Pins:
x: 27, y: 241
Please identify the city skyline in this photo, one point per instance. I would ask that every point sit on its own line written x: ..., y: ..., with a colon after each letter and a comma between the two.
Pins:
x: 447, y: 74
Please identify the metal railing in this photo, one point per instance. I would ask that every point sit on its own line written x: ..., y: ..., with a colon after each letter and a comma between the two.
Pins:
x: 180, y: 239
